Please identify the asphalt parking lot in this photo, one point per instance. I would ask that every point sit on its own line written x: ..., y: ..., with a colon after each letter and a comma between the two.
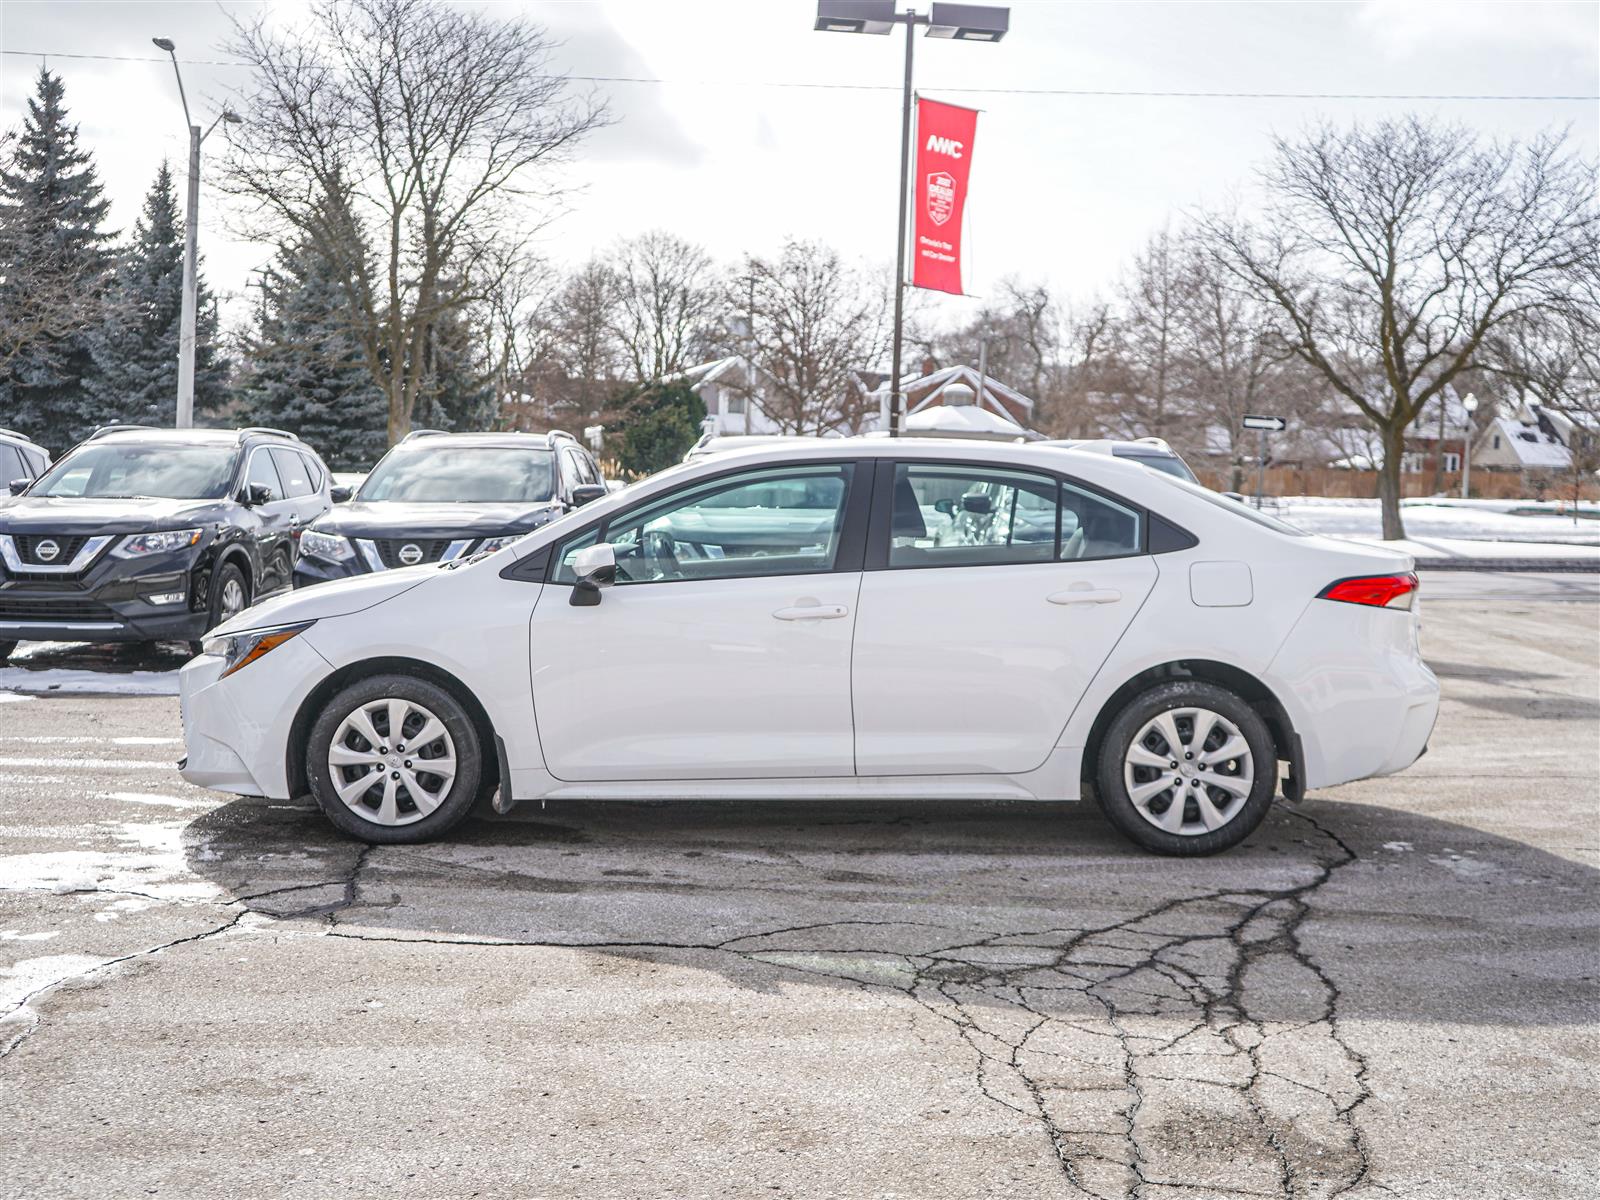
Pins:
x: 1389, y: 990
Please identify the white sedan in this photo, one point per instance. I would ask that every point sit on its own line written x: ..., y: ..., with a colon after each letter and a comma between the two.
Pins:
x: 782, y: 622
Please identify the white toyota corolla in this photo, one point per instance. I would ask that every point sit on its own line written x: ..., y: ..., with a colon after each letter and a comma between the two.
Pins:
x: 849, y: 619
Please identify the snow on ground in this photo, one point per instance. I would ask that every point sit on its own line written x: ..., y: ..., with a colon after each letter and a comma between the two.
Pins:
x: 40, y: 667
x: 1433, y: 519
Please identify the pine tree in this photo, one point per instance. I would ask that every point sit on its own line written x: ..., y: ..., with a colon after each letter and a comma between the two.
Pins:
x: 135, y: 348
x: 457, y: 393
x: 54, y: 260
x: 305, y: 369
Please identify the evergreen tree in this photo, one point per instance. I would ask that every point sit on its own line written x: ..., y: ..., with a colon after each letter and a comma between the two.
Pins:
x: 305, y: 370
x: 660, y: 422
x: 54, y: 260
x: 457, y: 394
x: 135, y: 347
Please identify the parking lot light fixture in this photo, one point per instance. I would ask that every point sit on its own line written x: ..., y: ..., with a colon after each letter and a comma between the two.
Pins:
x: 964, y: 22
x: 186, y: 334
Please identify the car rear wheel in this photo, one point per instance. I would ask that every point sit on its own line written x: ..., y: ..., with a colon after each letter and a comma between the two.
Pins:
x: 394, y: 759
x: 1187, y: 768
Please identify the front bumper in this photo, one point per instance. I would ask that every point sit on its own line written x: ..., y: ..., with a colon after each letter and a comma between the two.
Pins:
x: 110, y: 601
x: 309, y: 571
x: 236, y: 730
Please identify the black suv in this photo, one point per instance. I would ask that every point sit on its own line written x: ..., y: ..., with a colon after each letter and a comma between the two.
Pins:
x: 440, y: 496
x: 21, y: 460
x: 143, y: 535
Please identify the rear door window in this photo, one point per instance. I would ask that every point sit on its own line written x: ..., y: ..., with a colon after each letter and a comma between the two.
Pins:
x: 296, y: 476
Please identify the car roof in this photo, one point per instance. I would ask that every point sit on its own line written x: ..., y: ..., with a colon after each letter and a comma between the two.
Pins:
x: 11, y: 435
x: 1153, y: 447
x: 227, y: 437
x: 510, y: 439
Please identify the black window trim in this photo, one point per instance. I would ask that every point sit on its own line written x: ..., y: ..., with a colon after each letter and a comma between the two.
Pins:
x: 858, y: 502
x: 877, y: 555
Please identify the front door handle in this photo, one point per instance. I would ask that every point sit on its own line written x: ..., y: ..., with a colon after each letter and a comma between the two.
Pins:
x: 812, y: 612
x: 1085, y: 595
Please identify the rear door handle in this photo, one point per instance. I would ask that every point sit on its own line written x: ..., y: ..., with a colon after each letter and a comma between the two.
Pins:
x: 812, y: 612
x: 1085, y: 595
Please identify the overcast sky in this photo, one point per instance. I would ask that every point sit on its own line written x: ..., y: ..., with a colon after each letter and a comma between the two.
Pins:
x: 1064, y: 187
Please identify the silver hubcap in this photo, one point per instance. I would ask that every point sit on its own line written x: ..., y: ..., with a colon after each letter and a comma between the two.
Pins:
x: 1189, y: 771
x: 392, y: 761
x: 232, y: 598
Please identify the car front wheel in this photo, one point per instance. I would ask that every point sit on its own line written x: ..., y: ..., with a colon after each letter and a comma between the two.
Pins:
x: 1187, y: 768
x: 394, y: 759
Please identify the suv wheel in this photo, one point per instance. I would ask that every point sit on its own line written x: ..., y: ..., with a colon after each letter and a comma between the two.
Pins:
x: 230, y: 595
x: 1187, y: 768
x: 394, y: 759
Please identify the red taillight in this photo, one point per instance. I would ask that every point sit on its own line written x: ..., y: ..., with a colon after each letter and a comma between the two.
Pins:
x: 1378, y: 591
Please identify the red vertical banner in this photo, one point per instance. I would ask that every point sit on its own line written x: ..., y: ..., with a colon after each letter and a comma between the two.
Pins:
x: 944, y: 160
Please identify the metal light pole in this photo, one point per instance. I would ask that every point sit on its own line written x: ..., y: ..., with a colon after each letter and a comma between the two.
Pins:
x: 1470, y: 403
x: 191, y: 238
x: 961, y: 22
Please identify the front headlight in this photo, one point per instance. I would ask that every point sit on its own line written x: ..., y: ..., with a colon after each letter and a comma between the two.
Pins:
x: 328, y: 546
x: 490, y: 545
x: 239, y: 650
x: 137, y: 545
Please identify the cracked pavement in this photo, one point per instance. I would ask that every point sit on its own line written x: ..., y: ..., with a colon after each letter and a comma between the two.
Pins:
x: 1389, y: 990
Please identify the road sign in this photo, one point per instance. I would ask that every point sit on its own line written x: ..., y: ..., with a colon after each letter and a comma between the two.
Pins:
x: 1275, y: 424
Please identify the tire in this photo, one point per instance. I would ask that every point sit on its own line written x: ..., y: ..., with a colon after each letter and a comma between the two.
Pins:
x: 404, y: 803
x: 5, y: 650
x: 1229, y: 793
x: 223, y: 603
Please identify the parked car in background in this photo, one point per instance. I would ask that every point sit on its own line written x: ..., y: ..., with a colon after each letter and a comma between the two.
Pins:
x: 780, y: 622
x: 1149, y: 452
x: 144, y: 535
x: 21, y: 461
x: 437, y: 497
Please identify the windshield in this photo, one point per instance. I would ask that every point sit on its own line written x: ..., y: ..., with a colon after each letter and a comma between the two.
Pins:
x: 1167, y: 464
x: 112, y: 471
x: 462, y: 475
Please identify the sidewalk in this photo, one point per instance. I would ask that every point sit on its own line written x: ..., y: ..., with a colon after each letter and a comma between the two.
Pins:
x: 1462, y: 554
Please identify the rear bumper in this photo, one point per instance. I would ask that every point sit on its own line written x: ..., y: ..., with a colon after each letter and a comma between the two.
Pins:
x: 1355, y: 686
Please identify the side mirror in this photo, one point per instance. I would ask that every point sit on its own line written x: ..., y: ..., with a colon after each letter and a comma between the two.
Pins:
x: 945, y: 506
x: 586, y: 493
x: 340, y: 494
x: 18, y: 486
x: 1236, y: 497
x: 977, y: 502
x: 257, y: 494
x: 596, y: 568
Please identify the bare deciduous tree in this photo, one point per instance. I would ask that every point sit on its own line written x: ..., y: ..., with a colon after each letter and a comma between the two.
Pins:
x: 1393, y: 251
x: 816, y: 323
x: 432, y: 127
x: 666, y: 300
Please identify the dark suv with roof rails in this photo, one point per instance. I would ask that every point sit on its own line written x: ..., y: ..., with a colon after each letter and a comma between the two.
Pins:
x: 437, y: 496
x: 22, y: 460
x: 146, y: 535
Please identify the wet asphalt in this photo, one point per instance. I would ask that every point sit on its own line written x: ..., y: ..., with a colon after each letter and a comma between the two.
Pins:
x: 1391, y: 989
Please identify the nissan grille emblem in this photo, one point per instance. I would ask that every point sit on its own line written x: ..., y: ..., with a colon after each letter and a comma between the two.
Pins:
x: 46, y: 550
x: 411, y: 554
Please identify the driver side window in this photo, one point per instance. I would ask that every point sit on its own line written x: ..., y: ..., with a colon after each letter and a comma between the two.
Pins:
x: 775, y: 521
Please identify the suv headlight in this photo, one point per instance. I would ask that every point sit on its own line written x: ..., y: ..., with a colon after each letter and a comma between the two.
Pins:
x: 239, y: 650
x: 490, y: 545
x: 137, y: 545
x: 328, y: 546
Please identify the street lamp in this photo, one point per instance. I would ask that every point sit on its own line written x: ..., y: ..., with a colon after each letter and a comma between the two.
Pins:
x: 961, y: 22
x: 1470, y: 403
x: 191, y: 237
